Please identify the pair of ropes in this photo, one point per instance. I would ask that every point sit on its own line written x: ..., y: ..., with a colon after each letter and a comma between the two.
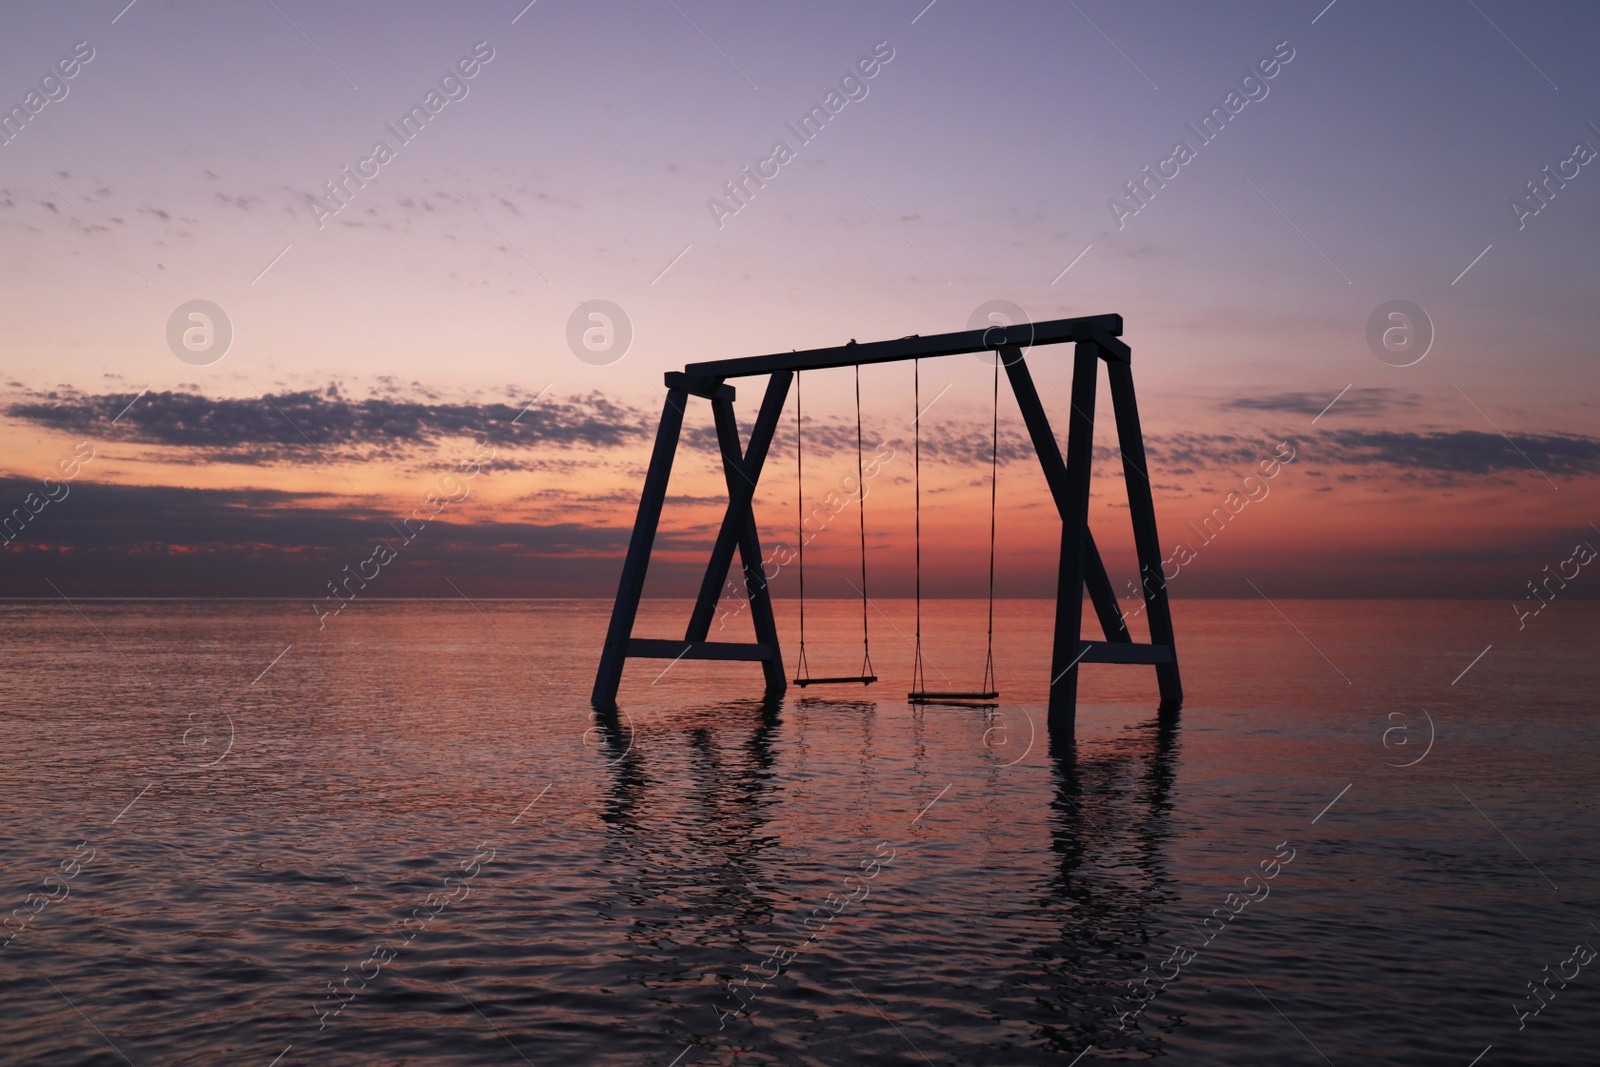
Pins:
x: 919, y: 694
x: 802, y: 671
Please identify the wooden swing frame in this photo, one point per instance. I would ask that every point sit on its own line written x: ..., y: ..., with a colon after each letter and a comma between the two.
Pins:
x: 1095, y: 339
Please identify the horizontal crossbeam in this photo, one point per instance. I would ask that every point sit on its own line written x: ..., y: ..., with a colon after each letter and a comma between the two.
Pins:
x: 709, y: 389
x: 654, y: 648
x: 1099, y: 328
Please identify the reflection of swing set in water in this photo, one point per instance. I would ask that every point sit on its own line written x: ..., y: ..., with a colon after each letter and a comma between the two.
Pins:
x: 1095, y: 338
x: 1071, y: 919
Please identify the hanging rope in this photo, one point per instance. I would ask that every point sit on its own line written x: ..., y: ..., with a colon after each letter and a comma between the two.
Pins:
x: 802, y: 668
x: 918, y: 684
x: 802, y: 671
x: 861, y: 508
x: 994, y: 482
x: 919, y: 693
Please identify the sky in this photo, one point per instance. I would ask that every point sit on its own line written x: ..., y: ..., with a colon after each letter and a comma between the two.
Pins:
x: 399, y: 318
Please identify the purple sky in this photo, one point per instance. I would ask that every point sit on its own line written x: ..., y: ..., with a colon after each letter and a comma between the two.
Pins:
x: 1380, y: 161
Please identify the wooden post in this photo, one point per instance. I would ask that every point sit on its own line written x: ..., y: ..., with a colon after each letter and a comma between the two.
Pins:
x: 1068, y: 647
x: 1142, y: 510
x: 609, y: 675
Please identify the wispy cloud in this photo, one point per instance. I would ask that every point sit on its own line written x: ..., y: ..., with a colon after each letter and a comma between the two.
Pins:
x: 1352, y: 402
x: 251, y: 430
x: 1457, y: 452
x: 113, y: 540
x: 566, y: 432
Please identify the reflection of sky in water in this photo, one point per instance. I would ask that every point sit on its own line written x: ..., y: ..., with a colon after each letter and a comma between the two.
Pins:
x: 641, y: 863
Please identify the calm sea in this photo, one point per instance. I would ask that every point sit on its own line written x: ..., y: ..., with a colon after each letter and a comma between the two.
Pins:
x: 229, y: 837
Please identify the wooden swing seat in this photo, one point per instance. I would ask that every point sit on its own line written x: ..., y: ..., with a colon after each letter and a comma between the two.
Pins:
x: 924, y: 697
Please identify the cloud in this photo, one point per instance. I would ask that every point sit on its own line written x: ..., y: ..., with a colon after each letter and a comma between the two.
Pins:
x: 175, y: 541
x: 102, y: 514
x: 1185, y: 453
x: 1352, y: 402
x: 293, y: 426
x: 282, y: 426
x: 1458, y: 452
x: 1448, y: 454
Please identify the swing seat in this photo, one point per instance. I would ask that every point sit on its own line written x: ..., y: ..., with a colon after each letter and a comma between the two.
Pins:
x: 923, y: 696
x: 849, y: 679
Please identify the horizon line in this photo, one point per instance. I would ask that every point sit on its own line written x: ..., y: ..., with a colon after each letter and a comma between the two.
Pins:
x: 841, y: 599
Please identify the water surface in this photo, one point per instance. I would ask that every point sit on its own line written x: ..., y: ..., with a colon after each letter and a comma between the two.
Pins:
x: 406, y: 839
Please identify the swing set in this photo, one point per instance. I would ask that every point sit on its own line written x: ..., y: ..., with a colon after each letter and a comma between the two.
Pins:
x: 1095, y: 340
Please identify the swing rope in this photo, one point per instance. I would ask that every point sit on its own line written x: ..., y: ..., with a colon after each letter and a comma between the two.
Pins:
x: 994, y: 482
x: 802, y: 668
x: 918, y: 683
x: 919, y: 693
x: 861, y: 508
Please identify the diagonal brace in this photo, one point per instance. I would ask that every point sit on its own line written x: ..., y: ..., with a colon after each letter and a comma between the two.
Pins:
x: 738, y: 521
